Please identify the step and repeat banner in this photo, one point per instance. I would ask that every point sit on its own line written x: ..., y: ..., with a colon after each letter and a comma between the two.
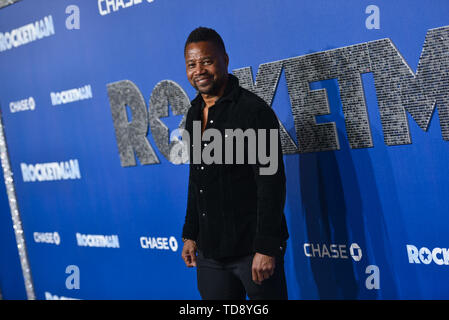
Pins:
x: 92, y: 90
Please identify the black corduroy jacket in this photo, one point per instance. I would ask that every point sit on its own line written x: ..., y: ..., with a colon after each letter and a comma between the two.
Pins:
x: 233, y: 210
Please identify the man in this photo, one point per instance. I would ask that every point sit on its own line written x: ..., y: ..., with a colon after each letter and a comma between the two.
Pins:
x: 235, y: 230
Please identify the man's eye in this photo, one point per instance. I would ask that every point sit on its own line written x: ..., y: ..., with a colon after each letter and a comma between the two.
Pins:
x: 191, y: 65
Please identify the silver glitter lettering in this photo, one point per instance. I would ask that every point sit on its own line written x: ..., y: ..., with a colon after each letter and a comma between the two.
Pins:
x: 267, y: 79
x: 131, y: 136
x: 166, y: 93
x: 399, y: 89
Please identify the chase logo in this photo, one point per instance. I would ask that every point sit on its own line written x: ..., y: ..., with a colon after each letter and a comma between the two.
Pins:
x: 22, y: 105
x: 47, y: 237
x: 355, y: 251
x: 106, y: 7
x: 159, y: 243
x: 333, y: 251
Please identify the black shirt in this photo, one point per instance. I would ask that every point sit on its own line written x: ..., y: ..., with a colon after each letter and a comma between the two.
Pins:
x: 232, y: 210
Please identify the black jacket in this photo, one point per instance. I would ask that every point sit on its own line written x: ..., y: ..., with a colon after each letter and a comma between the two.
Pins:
x: 232, y: 210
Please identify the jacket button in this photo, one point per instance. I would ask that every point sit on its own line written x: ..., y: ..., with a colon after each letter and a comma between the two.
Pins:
x: 202, y: 168
x: 204, y: 214
x: 212, y: 121
x: 201, y: 190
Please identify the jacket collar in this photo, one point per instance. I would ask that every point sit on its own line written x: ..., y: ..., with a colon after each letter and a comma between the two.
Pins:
x: 231, y: 92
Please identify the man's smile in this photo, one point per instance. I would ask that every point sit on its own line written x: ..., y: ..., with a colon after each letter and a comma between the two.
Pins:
x: 202, y: 81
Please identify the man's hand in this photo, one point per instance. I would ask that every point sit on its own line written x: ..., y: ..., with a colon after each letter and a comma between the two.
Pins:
x: 189, y: 253
x: 263, y: 267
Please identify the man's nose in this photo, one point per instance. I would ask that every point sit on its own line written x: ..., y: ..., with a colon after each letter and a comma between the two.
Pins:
x: 199, y: 69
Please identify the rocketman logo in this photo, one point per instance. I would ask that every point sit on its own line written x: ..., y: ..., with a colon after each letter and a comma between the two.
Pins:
x: 51, y: 171
x: 439, y: 256
x: 71, y: 95
x: 27, y: 33
x: 97, y: 240
x: 399, y: 91
x: 50, y: 296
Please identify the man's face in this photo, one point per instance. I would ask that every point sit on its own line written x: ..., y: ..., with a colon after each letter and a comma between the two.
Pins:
x: 206, y: 67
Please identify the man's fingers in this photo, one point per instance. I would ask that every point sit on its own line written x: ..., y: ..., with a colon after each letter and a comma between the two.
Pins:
x: 262, y: 268
x: 261, y: 274
x: 186, y: 259
x: 193, y: 259
x: 189, y: 253
x: 256, y: 276
x: 265, y: 274
x: 190, y: 259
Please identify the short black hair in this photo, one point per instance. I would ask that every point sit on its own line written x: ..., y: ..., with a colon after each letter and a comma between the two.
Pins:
x: 205, y: 34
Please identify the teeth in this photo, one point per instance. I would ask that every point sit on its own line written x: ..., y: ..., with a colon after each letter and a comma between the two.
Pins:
x: 202, y: 80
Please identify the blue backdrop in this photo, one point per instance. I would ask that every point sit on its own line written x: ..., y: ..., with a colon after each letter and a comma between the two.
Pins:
x: 364, y: 223
x: 11, y: 279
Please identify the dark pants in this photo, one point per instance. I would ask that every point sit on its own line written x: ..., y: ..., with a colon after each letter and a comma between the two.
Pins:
x: 231, y: 279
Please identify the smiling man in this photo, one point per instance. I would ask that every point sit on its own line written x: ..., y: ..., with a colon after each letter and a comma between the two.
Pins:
x: 235, y: 230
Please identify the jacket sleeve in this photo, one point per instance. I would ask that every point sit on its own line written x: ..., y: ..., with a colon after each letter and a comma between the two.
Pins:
x: 271, y: 188
x: 190, y: 229
x: 191, y: 223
